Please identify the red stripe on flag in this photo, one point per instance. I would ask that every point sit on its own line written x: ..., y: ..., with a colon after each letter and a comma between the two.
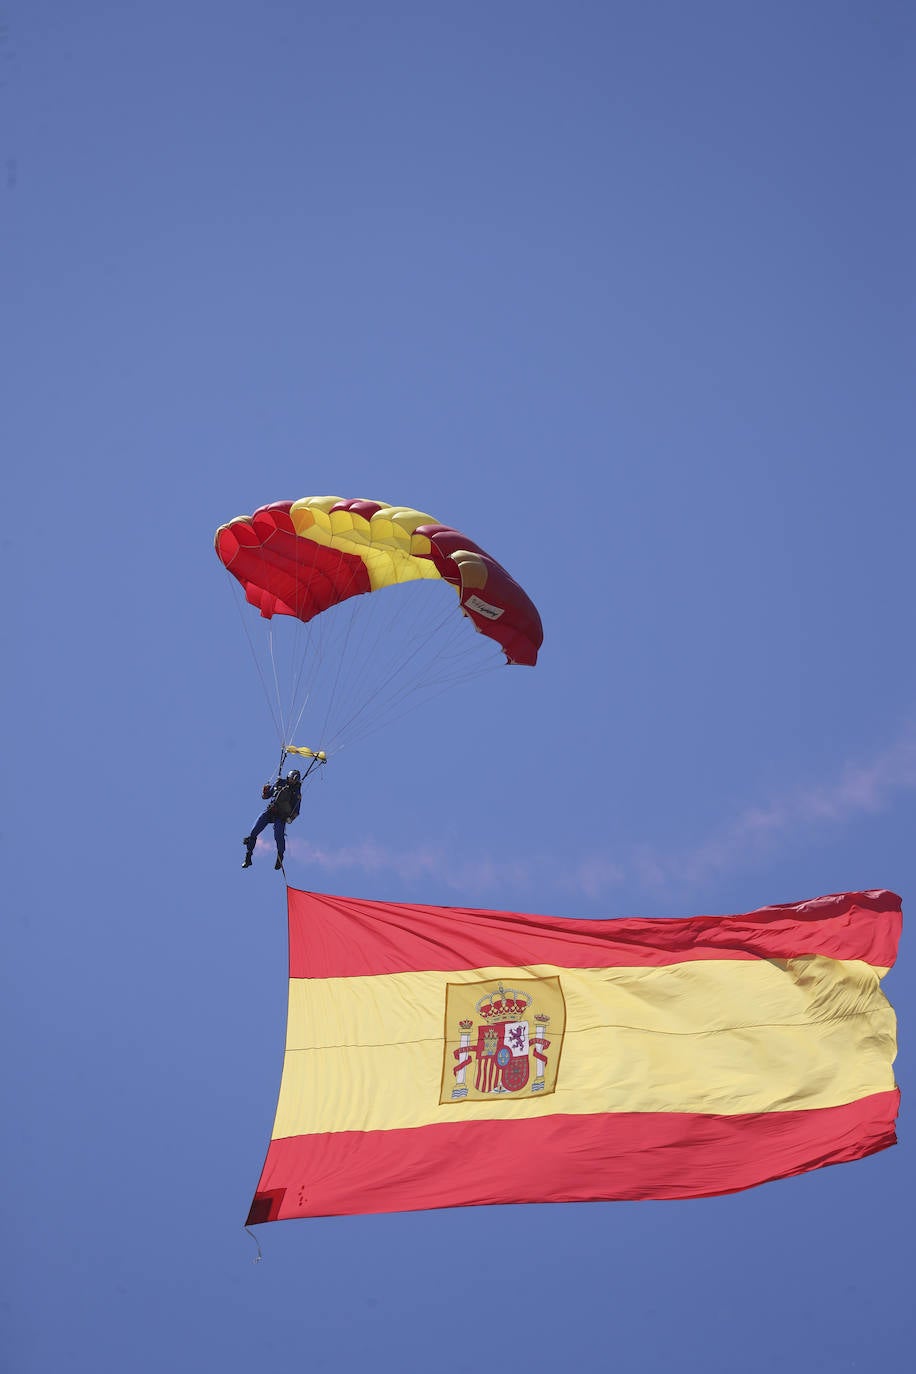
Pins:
x: 613, y: 1157
x: 339, y: 937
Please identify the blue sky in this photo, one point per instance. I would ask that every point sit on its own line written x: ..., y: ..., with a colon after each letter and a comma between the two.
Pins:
x: 625, y: 291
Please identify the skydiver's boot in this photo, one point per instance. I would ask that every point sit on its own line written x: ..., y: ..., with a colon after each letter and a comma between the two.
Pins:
x: 249, y: 846
x: 279, y: 863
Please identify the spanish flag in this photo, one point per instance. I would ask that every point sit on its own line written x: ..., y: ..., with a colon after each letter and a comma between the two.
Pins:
x: 446, y: 1057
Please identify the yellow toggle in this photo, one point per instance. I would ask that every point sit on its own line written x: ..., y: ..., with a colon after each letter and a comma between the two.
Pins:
x: 307, y: 753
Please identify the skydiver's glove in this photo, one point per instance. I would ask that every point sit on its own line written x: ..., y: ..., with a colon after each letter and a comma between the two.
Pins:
x: 266, y: 791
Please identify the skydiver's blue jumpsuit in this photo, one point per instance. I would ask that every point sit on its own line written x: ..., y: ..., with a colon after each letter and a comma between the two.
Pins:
x: 279, y: 812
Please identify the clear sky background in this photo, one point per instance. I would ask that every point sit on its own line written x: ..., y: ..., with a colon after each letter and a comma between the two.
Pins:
x: 625, y: 291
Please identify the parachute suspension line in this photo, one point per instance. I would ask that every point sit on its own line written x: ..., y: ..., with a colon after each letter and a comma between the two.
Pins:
x: 375, y: 620
x: 276, y: 713
x: 418, y: 640
x: 236, y: 596
x: 282, y: 716
x: 363, y: 663
x: 447, y: 649
x: 315, y: 763
x: 421, y: 691
x: 384, y: 722
x: 297, y: 684
x: 273, y: 664
x: 308, y: 635
x: 384, y: 653
x: 355, y: 655
x: 355, y: 646
x: 295, y: 725
x: 375, y: 707
x: 340, y: 661
x: 311, y: 656
x: 258, y: 1257
x: 324, y: 637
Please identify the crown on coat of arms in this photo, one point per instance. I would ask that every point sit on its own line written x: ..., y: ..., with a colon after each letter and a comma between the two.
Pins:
x: 504, y: 1005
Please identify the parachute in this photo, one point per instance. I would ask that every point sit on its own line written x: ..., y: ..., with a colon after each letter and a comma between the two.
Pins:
x: 322, y: 559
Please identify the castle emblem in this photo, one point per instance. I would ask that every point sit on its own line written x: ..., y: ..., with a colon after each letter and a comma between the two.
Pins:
x: 503, y: 1043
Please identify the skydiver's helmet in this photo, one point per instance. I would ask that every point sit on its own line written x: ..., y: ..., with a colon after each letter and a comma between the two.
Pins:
x: 294, y: 776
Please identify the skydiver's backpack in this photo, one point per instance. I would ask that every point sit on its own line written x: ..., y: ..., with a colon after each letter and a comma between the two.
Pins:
x: 286, y: 802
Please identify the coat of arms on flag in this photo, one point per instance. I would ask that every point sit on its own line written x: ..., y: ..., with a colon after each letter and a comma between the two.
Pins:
x: 502, y: 1039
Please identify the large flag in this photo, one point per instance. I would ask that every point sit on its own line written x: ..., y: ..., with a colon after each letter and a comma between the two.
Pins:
x: 444, y: 1057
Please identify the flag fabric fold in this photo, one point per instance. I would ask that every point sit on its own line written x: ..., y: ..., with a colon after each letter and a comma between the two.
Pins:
x: 443, y: 1056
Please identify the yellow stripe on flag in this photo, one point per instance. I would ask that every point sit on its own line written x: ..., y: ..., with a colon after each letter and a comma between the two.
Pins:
x: 711, y: 1037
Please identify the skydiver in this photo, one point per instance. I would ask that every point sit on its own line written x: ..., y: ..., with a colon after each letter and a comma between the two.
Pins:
x: 284, y: 797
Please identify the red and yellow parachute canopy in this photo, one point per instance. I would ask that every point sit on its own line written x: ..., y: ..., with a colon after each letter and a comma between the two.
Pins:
x: 339, y: 660
x: 299, y: 558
